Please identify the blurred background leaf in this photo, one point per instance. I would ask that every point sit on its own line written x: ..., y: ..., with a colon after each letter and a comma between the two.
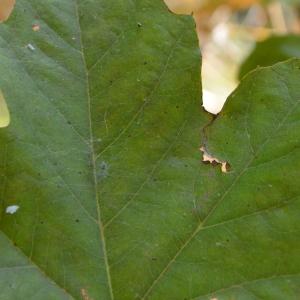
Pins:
x: 238, y: 36
x: 271, y: 51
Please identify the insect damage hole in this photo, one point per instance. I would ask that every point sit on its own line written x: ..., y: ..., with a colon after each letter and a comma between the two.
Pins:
x: 35, y: 27
x: 208, y: 158
x: 211, y: 41
x: 12, y: 209
x: 4, y: 112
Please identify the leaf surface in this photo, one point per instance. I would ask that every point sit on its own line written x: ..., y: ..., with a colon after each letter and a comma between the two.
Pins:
x: 102, y: 157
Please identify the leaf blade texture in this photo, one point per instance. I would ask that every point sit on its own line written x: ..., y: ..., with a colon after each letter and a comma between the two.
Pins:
x: 102, y: 157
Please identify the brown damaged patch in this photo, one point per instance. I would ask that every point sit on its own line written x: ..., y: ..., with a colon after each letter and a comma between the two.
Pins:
x: 6, y: 8
x: 209, y: 159
x: 84, y: 294
x: 36, y: 27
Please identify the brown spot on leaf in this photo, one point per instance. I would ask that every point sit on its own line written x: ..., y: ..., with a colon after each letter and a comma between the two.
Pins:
x: 6, y: 8
x: 35, y: 27
x: 84, y: 294
x: 208, y: 158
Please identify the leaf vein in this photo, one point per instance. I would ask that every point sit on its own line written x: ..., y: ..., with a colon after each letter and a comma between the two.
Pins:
x: 201, y: 225
x: 101, y: 229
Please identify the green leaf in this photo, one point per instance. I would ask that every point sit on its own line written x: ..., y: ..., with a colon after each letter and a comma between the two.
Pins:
x: 246, y: 246
x: 102, y: 157
x: 271, y: 51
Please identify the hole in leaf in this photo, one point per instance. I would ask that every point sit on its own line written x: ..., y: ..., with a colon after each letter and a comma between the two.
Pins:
x: 4, y: 113
x: 208, y: 158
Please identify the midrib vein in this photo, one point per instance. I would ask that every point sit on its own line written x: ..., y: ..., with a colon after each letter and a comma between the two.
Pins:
x: 101, y: 228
